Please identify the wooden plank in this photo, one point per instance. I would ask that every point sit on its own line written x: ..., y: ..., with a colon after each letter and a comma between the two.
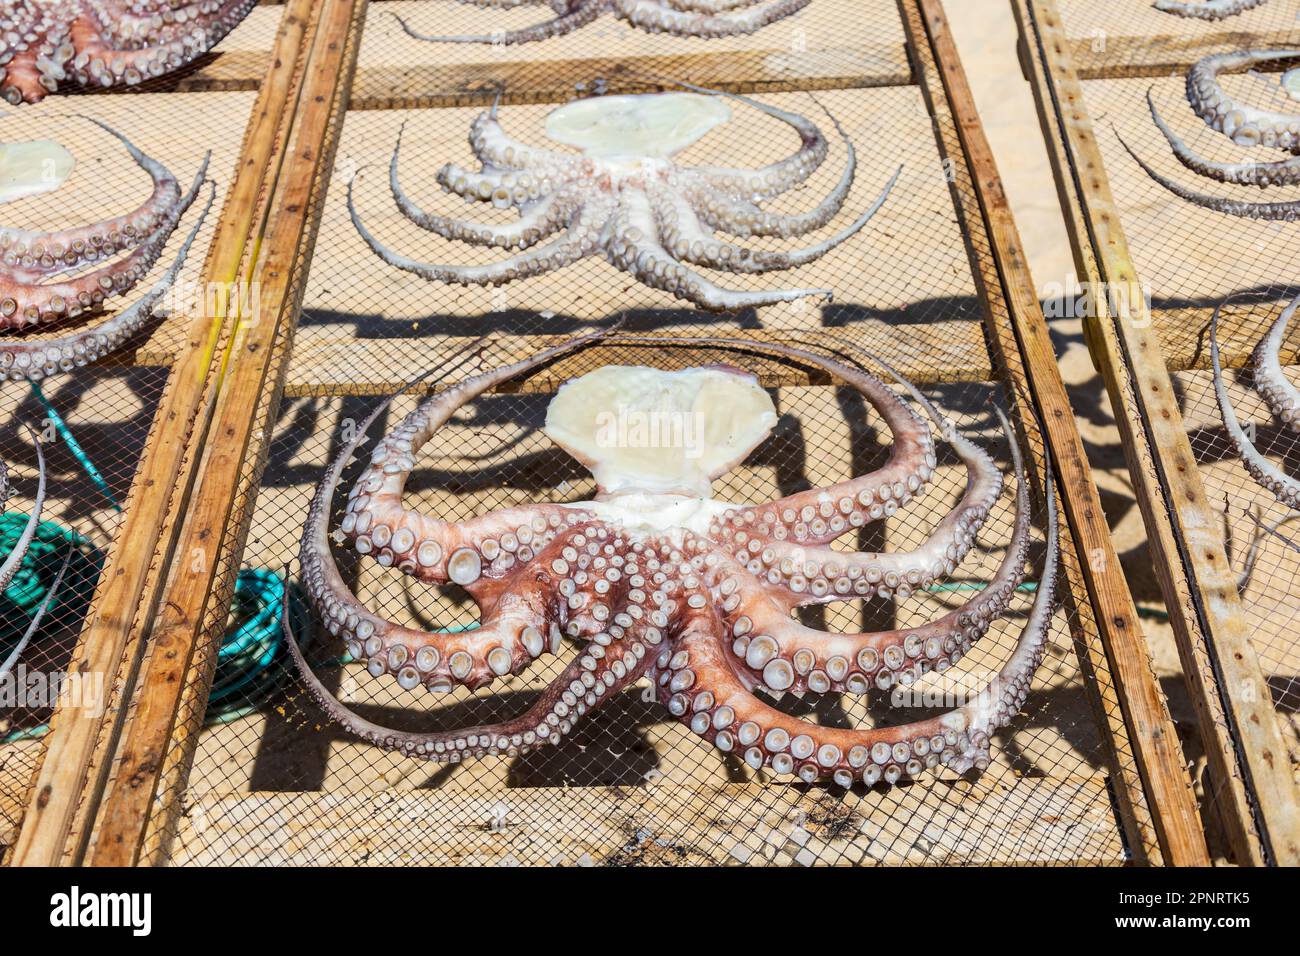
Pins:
x: 174, y: 631
x: 1139, y: 56
x: 341, y: 366
x: 1220, y: 664
x: 63, y: 780
x: 736, y: 824
x: 1152, y: 733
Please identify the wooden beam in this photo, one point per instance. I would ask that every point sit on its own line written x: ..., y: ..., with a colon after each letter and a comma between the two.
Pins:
x: 63, y: 779
x: 179, y: 620
x: 1248, y: 759
x: 1151, y: 730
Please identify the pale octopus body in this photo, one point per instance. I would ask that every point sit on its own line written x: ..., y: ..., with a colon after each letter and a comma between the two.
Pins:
x: 693, y: 594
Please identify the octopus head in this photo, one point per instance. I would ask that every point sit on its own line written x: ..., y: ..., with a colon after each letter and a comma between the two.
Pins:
x: 32, y: 168
x: 649, y: 432
x: 646, y: 126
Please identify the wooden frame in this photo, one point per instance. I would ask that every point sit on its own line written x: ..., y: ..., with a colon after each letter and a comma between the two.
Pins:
x: 70, y: 774
x: 1251, y: 777
x: 114, y: 816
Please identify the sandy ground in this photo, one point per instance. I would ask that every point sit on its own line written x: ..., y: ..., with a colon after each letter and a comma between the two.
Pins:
x: 985, y: 31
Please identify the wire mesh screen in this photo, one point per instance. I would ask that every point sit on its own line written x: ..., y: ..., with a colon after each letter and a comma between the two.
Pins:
x: 826, y: 44
x: 272, y: 780
x: 1190, y: 260
x: 1117, y: 38
x: 94, y: 422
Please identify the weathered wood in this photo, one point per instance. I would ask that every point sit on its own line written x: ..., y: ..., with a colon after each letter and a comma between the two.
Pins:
x: 1152, y: 733
x: 125, y: 812
x: 63, y: 781
x: 1246, y: 752
x: 736, y: 824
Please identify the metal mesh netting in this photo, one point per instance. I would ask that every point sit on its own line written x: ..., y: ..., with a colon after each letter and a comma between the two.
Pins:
x: 1117, y: 38
x: 276, y: 783
x: 94, y: 423
x: 1190, y: 260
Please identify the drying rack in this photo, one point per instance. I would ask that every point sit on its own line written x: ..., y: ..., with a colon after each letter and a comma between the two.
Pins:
x: 1091, y: 773
x: 1161, y: 267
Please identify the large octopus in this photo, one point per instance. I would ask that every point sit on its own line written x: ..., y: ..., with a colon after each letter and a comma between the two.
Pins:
x: 89, y: 265
x: 103, y: 43
x: 660, y: 581
x: 1245, y: 125
x: 626, y: 199
x: 686, y: 18
x: 1281, y: 397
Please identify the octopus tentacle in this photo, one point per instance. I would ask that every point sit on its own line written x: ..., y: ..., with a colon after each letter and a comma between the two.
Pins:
x: 577, y: 242
x: 681, y: 232
x: 571, y: 16
x: 774, y: 178
x: 635, y: 248
x: 1283, y: 173
x: 1245, y: 125
x: 1282, y: 398
x: 36, y: 253
x: 736, y: 721
x: 516, y: 628
x: 663, y: 16
x: 1281, y: 485
x: 1206, y: 9
x: 744, y: 218
x: 493, y: 146
x: 502, y: 188
x: 782, y: 654
x: 475, y: 553
x: 1287, y: 211
x: 39, y: 358
x: 34, y: 625
x: 23, y: 304
x: 584, y: 684
x: 542, y: 218
x: 9, y: 567
x: 820, y: 574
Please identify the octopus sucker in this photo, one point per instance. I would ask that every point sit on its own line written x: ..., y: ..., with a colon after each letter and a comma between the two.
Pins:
x: 1207, y: 9
x: 27, y: 256
x: 625, y: 199
x: 656, y: 580
x: 686, y: 18
x: 1245, y: 125
x: 1281, y: 397
x: 1284, y: 172
x: 50, y: 45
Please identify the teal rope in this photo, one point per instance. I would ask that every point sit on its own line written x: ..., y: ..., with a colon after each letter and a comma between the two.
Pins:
x: 74, y: 446
x: 253, y: 661
x: 33, y: 579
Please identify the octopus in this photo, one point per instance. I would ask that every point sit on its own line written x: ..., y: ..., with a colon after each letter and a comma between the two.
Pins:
x: 685, y: 18
x: 1207, y: 9
x: 624, y: 198
x: 1281, y: 397
x: 1246, y: 126
x: 96, y: 44
x: 14, y: 560
x: 51, y: 277
x: 657, y: 580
